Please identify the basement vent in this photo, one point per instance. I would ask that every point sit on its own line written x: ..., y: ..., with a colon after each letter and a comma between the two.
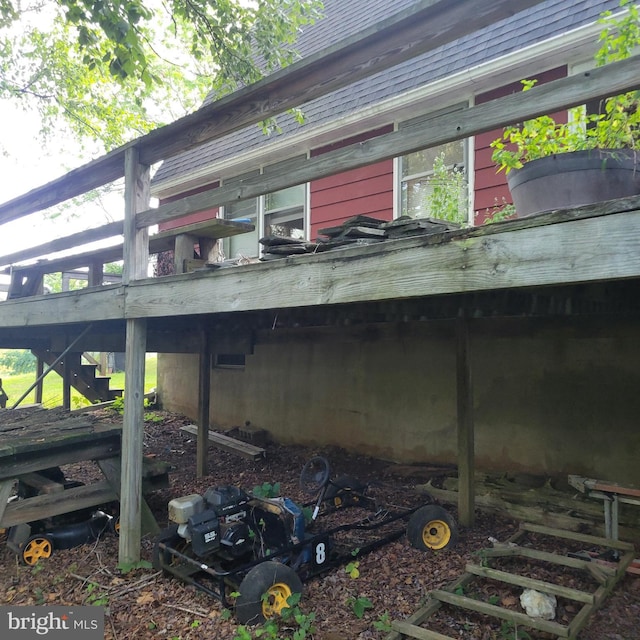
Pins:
x: 229, y: 360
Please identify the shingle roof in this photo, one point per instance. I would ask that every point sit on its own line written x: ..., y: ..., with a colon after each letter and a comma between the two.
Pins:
x: 346, y: 17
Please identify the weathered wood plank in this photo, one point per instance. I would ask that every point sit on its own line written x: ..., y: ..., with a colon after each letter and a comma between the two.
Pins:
x: 55, y: 504
x: 425, y: 26
x: 600, y: 572
x: 204, y: 403
x: 499, y: 612
x: 229, y: 444
x: 465, y: 424
x: 67, y: 242
x: 105, y: 303
x: 530, y: 583
x: 411, y: 630
x: 132, y: 443
x: 112, y: 471
x: 547, y: 98
x: 41, y: 483
x: 536, y: 256
x: 578, y: 537
x: 527, y: 253
x: 6, y: 488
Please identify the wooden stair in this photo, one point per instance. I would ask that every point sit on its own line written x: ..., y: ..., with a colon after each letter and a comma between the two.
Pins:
x: 606, y: 575
x: 82, y: 377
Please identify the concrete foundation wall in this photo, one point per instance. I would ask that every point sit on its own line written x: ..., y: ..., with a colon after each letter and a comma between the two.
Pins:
x: 553, y: 400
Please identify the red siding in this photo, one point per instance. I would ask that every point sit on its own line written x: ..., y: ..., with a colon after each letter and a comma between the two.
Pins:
x: 365, y: 191
x: 490, y: 186
x: 194, y: 217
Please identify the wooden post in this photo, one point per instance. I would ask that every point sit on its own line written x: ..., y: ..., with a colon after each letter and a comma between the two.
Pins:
x: 96, y: 273
x: 204, y: 391
x: 40, y: 384
x: 136, y: 257
x: 66, y: 382
x: 466, y: 457
x: 136, y: 195
x: 132, y: 443
x: 183, y: 250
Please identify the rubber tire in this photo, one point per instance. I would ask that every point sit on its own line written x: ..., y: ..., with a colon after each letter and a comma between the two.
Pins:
x: 340, y: 492
x: 250, y: 608
x: 432, y: 521
x: 313, y: 483
x: 36, y: 547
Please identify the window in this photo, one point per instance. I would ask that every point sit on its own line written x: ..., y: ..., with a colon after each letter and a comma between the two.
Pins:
x: 282, y: 213
x: 433, y: 182
x: 244, y: 245
x: 229, y: 361
x: 433, y: 178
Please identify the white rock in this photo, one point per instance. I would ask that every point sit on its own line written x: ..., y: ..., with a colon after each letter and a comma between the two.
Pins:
x: 538, y: 605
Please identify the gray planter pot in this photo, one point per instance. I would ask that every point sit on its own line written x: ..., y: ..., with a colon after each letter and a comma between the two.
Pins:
x: 572, y: 179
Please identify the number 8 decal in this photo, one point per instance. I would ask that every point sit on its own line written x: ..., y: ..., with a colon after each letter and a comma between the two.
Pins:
x: 321, y: 553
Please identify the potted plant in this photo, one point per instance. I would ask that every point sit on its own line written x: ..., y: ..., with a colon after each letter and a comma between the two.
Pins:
x: 591, y: 158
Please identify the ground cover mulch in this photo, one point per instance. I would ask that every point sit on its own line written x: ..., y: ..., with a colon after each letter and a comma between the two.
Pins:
x: 396, y: 579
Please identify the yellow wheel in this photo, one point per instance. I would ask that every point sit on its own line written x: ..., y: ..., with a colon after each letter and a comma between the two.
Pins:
x: 36, y: 547
x: 436, y: 534
x: 432, y: 528
x: 265, y: 591
x: 276, y: 599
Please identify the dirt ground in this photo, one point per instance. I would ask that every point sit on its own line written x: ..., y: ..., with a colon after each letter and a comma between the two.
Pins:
x: 395, y: 579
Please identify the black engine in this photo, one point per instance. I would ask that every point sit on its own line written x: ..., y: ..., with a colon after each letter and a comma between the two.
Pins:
x: 218, y: 522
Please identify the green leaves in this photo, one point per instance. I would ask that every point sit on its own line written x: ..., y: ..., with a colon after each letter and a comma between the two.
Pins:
x: 617, y: 126
x: 360, y: 605
x: 111, y: 70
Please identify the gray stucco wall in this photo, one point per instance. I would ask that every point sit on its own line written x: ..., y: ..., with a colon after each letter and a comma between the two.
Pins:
x: 556, y: 399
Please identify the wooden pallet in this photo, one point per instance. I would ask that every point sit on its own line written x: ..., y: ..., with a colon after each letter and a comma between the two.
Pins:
x: 607, y: 575
x: 227, y: 443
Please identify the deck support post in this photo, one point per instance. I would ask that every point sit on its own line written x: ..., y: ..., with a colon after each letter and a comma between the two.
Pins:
x: 466, y: 457
x: 136, y: 257
x: 204, y: 391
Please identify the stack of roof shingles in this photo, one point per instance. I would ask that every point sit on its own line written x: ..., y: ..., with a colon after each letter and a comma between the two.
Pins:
x: 358, y: 230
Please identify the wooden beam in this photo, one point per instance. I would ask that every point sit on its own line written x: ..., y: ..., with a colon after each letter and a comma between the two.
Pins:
x: 67, y: 242
x: 545, y: 98
x: 136, y: 256
x: 136, y: 198
x: 132, y: 442
x: 204, y: 397
x: 424, y: 26
x: 473, y: 260
x: 466, y: 435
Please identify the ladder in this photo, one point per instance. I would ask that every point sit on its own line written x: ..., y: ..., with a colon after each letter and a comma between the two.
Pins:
x: 605, y: 574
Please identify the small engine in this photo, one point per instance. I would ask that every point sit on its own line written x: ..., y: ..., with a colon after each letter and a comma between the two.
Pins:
x: 215, y: 522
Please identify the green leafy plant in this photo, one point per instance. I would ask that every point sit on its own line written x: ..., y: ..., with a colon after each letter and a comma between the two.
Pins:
x: 95, y: 596
x: 499, y: 211
x: 352, y: 569
x: 118, y: 405
x: 127, y: 567
x: 509, y: 631
x: 447, y: 197
x: 292, y: 620
x: 359, y: 605
x: 266, y: 490
x: 383, y: 623
x: 616, y: 126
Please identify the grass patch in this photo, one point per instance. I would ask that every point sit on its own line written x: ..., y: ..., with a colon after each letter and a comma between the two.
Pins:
x: 15, y: 385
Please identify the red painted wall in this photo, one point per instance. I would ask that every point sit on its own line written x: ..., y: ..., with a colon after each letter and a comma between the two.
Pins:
x: 490, y: 186
x: 194, y: 217
x: 365, y: 191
